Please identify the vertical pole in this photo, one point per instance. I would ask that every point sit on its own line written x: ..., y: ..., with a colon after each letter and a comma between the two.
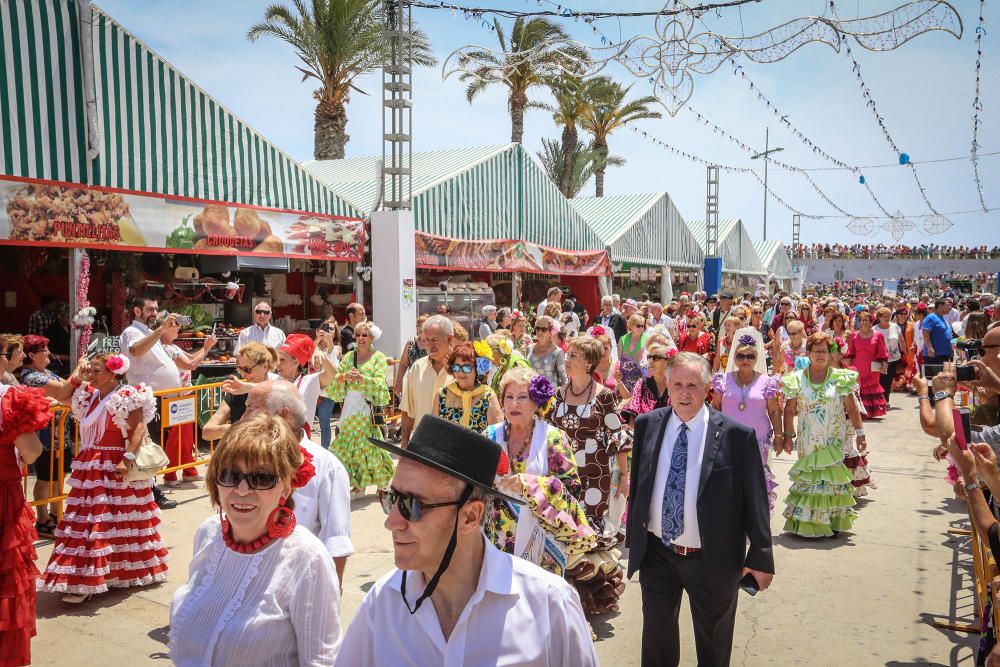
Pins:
x: 75, y: 255
x: 766, y: 137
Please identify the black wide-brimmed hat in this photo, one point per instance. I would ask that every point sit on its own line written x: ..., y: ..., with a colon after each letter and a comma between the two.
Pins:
x: 454, y: 450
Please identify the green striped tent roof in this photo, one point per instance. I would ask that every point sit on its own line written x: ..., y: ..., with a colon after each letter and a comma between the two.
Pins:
x: 735, y: 246
x: 642, y: 229
x: 492, y: 192
x: 159, y: 132
x: 774, y: 256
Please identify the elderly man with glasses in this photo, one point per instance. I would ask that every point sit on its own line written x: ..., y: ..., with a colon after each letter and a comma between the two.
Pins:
x: 262, y: 331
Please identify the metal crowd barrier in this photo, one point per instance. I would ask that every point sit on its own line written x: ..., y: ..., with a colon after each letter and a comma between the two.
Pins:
x: 177, y: 408
x: 984, y: 569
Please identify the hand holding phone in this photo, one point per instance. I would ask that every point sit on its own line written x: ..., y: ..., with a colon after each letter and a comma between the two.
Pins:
x: 963, y: 427
x: 749, y: 584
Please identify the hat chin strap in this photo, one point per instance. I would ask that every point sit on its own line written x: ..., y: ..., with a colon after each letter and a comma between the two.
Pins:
x: 445, y: 561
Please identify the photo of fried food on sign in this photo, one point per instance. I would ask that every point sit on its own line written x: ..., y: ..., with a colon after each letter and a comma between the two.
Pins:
x: 53, y: 214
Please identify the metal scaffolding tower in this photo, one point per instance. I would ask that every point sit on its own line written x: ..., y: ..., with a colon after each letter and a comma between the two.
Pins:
x: 796, y: 239
x: 397, y: 106
x: 712, y: 212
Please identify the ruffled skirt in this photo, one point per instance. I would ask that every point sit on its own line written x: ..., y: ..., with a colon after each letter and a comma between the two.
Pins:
x: 366, y: 464
x: 599, y: 578
x: 769, y: 480
x: 857, y: 463
x: 109, y: 535
x: 17, y: 575
x: 872, y: 395
x: 821, y: 498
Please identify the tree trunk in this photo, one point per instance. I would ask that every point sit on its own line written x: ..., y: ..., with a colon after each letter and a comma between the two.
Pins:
x: 329, y: 130
x: 569, y: 141
x: 517, y: 104
x: 602, y: 153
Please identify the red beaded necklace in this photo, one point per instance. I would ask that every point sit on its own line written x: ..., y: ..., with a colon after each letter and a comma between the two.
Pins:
x: 249, y: 548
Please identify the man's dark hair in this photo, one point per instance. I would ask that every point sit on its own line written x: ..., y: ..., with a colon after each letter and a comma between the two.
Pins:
x: 140, y: 301
x: 939, y: 302
x: 47, y: 299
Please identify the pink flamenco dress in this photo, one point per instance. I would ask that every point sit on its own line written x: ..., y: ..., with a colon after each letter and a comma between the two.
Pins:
x: 862, y: 353
x: 109, y: 534
x: 22, y: 410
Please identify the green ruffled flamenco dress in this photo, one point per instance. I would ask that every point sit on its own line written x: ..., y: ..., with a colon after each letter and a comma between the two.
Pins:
x: 821, y: 499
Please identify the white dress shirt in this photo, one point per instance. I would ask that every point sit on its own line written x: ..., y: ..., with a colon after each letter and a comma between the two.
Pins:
x: 309, y: 390
x: 155, y: 368
x: 519, y: 615
x: 270, y: 335
x: 279, y: 606
x: 698, y: 428
x: 323, y: 505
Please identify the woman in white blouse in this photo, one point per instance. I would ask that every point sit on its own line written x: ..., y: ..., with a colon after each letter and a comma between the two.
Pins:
x: 261, y: 590
x: 893, y: 337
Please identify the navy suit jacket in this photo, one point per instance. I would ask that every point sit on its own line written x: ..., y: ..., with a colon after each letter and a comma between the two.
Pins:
x: 732, y: 497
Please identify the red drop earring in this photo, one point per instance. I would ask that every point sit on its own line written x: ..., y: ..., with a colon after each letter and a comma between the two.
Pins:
x: 281, y: 521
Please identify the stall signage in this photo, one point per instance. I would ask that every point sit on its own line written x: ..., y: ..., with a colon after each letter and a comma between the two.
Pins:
x: 439, y: 252
x: 50, y: 213
x: 177, y: 411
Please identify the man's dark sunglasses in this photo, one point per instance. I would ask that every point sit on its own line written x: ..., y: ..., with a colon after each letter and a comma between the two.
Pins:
x: 410, y: 508
x: 263, y: 312
x: 257, y: 480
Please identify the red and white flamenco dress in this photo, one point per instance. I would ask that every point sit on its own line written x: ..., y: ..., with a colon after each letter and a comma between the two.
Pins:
x: 109, y: 535
x: 22, y: 410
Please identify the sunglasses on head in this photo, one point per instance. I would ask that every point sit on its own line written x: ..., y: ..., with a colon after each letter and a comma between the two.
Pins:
x: 462, y: 368
x: 263, y: 312
x: 257, y: 480
x: 246, y: 371
x: 412, y: 509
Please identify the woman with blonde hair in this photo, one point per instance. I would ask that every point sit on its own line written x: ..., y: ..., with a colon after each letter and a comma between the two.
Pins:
x: 253, y: 363
x: 725, y: 343
x: 551, y: 530
x: 261, y: 589
x: 791, y: 349
x: 359, y: 386
x: 503, y: 354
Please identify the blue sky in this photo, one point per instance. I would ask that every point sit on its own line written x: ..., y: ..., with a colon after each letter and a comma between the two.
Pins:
x: 924, y: 91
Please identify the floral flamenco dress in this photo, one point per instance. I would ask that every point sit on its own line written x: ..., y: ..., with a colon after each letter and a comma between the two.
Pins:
x: 597, y: 435
x: 109, y: 534
x: 366, y: 464
x: 22, y: 410
x: 821, y: 499
x: 552, y: 529
x: 465, y: 408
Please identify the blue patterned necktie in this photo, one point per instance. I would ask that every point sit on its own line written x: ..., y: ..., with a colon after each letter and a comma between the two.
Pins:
x: 672, y: 521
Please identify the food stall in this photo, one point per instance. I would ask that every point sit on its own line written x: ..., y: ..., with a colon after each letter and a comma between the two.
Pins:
x: 148, y: 186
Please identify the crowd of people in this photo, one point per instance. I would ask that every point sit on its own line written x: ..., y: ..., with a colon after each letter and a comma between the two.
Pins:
x: 892, y: 251
x: 553, y: 441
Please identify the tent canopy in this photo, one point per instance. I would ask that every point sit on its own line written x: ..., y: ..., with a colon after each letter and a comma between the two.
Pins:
x: 159, y: 133
x: 473, y: 194
x: 774, y: 256
x: 737, y: 250
x: 644, y: 229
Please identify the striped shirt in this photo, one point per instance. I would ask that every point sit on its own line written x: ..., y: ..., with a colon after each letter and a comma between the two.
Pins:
x: 270, y: 335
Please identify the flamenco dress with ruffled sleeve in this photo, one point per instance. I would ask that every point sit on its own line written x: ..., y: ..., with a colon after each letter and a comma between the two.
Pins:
x: 22, y: 410
x: 820, y: 501
x: 109, y: 534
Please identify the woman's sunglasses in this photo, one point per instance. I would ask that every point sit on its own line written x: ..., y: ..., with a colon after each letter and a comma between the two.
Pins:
x: 257, y: 480
x: 746, y: 357
x: 540, y: 329
x: 462, y: 368
x: 412, y: 509
x: 245, y: 370
x: 656, y: 357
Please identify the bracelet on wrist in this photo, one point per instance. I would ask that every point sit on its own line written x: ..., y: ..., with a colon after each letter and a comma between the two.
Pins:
x: 789, y: 434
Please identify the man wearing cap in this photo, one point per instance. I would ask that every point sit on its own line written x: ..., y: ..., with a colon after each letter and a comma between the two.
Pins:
x: 489, y: 607
x: 323, y: 505
x: 261, y: 331
x: 722, y: 312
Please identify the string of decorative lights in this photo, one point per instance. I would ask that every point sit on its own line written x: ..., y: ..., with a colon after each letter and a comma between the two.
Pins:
x: 904, y: 158
x: 977, y: 105
x: 566, y: 12
x: 744, y: 170
x: 784, y: 165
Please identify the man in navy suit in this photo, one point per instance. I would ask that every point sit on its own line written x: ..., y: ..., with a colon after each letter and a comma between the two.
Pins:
x: 697, y: 495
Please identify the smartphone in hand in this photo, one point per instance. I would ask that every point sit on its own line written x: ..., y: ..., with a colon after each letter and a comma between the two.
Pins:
x: 749, y: 584
x: 963, y: 427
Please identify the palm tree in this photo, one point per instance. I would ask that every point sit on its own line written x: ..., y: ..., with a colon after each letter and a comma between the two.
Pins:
x: 572, y: 99
x: 607, y: 112
x: 583, y: 162
x: 532, y: 55
x: 337, y: 41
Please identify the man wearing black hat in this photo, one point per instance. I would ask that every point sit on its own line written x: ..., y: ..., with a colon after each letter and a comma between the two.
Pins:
x: 484, y: 600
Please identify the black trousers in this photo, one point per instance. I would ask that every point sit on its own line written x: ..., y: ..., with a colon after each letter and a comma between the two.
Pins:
x: 663, y: 575
x: 886, y: 380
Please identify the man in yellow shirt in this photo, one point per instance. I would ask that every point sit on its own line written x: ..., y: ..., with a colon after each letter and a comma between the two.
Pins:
x: 426, y: 376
